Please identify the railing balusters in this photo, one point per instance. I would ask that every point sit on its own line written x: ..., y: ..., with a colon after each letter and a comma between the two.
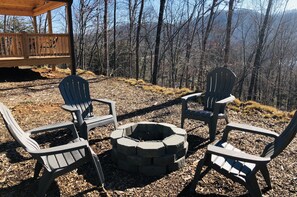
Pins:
x: 27, y: 45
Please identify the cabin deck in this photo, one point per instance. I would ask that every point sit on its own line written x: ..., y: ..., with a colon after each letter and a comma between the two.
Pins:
x: 23, y: 49
x: 33, y: 60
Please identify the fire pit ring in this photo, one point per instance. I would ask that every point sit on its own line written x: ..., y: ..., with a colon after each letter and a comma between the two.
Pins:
x: 149, y: 148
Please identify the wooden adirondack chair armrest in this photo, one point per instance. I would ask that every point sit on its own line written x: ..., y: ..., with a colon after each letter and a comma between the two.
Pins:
x: 229, y: 99
x: 104, y: 101
x: 247, y: 128
x: 242, y: 156
x: 76, y: 111
x: 218, y: 104
x: 187, y: 98
x: 54, y: 127
x: 69, y: 108
x: 110, y: 103
x: 191, y: 96
x: 60, y: 149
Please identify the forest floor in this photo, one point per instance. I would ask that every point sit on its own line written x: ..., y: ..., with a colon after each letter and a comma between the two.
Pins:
x: 36, y: 101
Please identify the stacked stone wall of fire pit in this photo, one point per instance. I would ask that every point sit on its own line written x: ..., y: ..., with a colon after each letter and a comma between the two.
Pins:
x: 149, y: 148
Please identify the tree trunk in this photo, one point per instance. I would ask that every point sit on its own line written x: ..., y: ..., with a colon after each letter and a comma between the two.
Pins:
x: 205, y: 36
x: 158, y: 39
x: 132, y: 10
x: 4, y: 23
x: 137, y: 38
x: 252, y: 92
x: 114, y: 36
x: 228, y: 33
x: 189, y: 44
x: 106, y: 51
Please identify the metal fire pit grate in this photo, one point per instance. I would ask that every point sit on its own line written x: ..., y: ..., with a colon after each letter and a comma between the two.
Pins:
x: 149, y: 148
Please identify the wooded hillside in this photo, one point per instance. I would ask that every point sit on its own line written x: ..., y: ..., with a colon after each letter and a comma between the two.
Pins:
x: 177, y: 48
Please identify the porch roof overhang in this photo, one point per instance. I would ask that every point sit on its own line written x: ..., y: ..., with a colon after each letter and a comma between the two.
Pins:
x: 29, y: 7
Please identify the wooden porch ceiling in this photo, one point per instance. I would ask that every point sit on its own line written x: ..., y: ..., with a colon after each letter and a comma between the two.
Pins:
x: 29, y: 7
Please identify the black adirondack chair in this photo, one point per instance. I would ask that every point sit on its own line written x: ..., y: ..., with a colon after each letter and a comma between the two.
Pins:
x: 242, y: 167
x: 76, y: 94
x: 220, y: 82
x: 57, y: 160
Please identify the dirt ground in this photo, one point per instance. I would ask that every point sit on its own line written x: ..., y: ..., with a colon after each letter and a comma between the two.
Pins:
x: 37, y: 102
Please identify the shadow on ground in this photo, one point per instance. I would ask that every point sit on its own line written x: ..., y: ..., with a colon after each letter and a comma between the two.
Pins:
x: 16, y: 74
x: 186, y: 193
x: 145, y: 110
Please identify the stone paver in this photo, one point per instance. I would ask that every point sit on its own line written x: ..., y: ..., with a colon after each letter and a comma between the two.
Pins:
x: 174, y: 143
x: 177, y: 164
x: 115, y: 135
x: 150, y: 149
x: 153, y: 170
x: 164, y: 160
x: 126, y: 146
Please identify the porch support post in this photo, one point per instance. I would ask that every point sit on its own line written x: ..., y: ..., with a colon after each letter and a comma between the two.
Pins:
x: 71, y: 39
x: 50, y: 31
x: 35, y: 24
x: 49, y: 21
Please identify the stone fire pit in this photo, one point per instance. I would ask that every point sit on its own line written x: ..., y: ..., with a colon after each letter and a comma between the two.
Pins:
x: 149, y: 148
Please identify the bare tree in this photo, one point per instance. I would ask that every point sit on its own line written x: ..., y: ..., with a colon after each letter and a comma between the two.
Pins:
x: 190, y: 35
x: 85, y: 14
x: 132, y: 13
x: 228, y: 33
x: 106, y: 45
x: 114, y: 35
x: 205, y: 36
x: 137, y: 38
x: 158, y: 38
x: 252, y: 92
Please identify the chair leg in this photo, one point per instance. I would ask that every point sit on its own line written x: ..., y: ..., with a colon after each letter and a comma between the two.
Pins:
x: 98, y: 168
x: 212, y: 131
x: 253, y: 187
x: 266, y: 176
x: 83, y: 131
x: 182, y: 122
x: 44, y: 183
x: 226, y: 119
x: 37, y: 169
x: 183, y: 113
x: 115, y: 122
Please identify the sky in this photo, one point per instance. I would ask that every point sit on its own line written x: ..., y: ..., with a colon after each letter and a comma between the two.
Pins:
x: 250, y: 4
x: 292, y: 4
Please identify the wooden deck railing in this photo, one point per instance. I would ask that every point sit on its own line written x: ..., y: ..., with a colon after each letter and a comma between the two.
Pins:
x: 26, y: 45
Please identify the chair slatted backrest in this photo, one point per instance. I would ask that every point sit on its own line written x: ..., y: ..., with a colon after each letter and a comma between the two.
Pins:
x: 75, y: 92
x: 16, y: 132
x: 283, y: 140
x: 220, y: 82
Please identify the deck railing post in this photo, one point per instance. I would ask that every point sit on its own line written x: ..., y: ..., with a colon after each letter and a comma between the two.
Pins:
x: 25, y: 45
x: 71, y: 39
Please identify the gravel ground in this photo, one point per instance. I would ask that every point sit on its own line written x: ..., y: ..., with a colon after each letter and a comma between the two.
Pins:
x: 35, y: 103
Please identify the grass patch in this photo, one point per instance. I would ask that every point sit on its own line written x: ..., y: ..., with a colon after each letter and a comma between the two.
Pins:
x: 155, y: 88
x: 251, y: 107
x: 248, y: 107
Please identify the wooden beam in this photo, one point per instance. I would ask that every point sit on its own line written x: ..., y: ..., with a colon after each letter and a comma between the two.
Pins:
x: 35, y: 24
x: 28, y: 7
x: 49, y: 21
x: 25, y: 45
x: 33, y: 61
x: 71, y: 39
x: 15, y: 12
x: 50, y: 30
x: 48, y: 6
